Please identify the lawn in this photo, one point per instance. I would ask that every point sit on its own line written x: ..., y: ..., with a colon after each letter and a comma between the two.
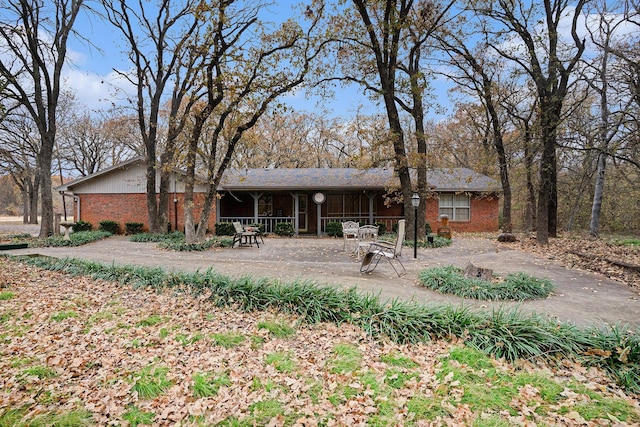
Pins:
x: 80, y: 351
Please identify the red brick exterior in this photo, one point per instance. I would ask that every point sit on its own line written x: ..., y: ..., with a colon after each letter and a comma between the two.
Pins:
x: 124, y: 208
x: 484, y: 215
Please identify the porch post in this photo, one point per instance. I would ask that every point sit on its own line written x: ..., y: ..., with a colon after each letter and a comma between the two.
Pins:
x: 296, y: 211
x: 371, y: 204
x: 256, y: 199
x: 218, y: 207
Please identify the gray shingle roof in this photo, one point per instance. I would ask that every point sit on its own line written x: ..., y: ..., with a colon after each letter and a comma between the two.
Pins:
x: 454, y: 179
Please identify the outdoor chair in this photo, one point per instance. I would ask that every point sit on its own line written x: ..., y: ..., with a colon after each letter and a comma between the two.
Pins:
x: 243, y: 237
x: 350, y: 234
x: 383, y: 250
x: 366, y: 234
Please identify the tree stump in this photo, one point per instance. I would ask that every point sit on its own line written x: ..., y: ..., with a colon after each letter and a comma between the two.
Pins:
x: 507, y: 237
x: 473, y: 272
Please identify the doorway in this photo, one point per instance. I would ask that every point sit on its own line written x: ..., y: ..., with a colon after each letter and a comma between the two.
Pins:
x: 303, y: 202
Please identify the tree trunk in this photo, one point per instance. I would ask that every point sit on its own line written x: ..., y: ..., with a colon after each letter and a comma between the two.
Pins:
x: 597, y: 195
x: 44, y: 166
x: 25, y: 206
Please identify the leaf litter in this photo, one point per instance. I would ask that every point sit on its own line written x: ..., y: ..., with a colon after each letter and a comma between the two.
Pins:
x: 99, y: 354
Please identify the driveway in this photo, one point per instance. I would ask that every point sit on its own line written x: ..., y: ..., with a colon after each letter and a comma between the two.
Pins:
x: 583, y: 298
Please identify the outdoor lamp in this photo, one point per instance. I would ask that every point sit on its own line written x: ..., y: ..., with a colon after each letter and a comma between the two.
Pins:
x: 415, y: 202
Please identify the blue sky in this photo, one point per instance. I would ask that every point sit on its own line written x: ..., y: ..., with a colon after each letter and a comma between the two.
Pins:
x: 92, y: 77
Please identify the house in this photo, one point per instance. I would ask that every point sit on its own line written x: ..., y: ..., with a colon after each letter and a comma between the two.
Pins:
x: 309, y: 199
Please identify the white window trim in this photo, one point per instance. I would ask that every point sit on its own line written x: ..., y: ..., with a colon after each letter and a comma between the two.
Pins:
x: 454, y: 208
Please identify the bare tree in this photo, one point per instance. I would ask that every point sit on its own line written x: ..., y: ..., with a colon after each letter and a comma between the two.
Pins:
x: 34, y: 37
x: 18, y: 158
x: 550, y: 65
x: 157, y: 37
x: 244, y: 72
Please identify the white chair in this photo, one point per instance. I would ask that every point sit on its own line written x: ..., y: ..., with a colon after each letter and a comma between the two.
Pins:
x: 387, y: 251
x: 367, y: 234
x: 350, y: 234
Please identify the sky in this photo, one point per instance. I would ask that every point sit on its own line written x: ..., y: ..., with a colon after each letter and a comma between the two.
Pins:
x: 92, y: 77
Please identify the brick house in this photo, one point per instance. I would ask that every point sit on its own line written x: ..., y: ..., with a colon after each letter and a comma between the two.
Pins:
x: 306, y: 198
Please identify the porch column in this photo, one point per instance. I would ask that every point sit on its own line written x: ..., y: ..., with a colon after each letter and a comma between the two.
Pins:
x: 256, y: 198
x: 218, y: 206
x: 296, y: 211
x: 372, y: 197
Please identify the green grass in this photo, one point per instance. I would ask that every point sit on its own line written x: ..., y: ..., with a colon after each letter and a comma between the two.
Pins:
x: 277, y: 329
x: 151, y: 382
x: 514, y: 287
x: 627, y: 242
x: 228, y: 339
x: 76, y: 239
x: 7, y: 295
x: 345, y: 358
x: 40, y: 372
x: 282, y: 361
x: 152, y: 320
x: 62, y: 315
x: 135, y: 416
x: 208, y: 384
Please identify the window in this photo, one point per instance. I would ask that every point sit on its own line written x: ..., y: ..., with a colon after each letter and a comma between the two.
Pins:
x: 265, y: 206
x: 347, y: 205
x: 456, y: 206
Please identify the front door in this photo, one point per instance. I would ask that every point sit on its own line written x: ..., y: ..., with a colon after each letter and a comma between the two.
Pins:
x: 302, y: 213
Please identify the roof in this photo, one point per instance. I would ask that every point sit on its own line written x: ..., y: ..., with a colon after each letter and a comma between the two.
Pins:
x: 453, y: 179
x: 448, y: 179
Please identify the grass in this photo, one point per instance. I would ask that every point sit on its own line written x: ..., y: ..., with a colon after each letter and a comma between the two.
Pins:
x: 135, y: 416
x: 208, y: 384
x: 76, y: 239
x: 514, y: 287
x: 502, y: 333
x: 176, y: 241
x: 627, y: 242
x: 228, y: 339
x: 151, y: 382
x: 6, y: 295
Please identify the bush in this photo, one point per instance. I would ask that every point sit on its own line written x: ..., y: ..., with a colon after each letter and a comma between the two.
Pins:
x: 225, y: 229
x: 382, y: 227
x: 81, y: 226
x: 334, y: 229
x: 110, y: 226
x: 76, y: 239
x: 133, y: 227
x: 284, y: 229
x: 155, y: 237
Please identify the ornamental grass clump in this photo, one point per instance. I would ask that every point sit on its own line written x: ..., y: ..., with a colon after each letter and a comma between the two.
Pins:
x: 514, y: 287
x: 76, y: 239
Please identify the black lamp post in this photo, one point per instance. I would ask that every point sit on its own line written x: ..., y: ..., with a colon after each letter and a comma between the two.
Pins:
x: 415, y: 202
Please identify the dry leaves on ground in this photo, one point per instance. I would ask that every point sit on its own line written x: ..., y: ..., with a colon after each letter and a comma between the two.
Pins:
x: 588, y: 254
x: 96, y: 340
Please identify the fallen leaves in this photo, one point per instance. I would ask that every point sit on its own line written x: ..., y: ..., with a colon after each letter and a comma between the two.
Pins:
x: 99, y: 354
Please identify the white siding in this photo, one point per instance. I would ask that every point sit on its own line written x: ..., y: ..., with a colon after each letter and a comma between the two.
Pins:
x: 130, y: 180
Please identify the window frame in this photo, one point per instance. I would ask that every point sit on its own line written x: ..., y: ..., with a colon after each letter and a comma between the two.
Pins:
x: 454, y: 208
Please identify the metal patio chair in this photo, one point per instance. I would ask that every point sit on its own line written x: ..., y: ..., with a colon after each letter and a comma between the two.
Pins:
x: 383, y: 250
x: 350, y: 234
x: 366, y: 234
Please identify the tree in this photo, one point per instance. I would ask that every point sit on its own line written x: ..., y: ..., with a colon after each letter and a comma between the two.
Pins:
x: 88, y: 142
x: 245, y: 71
x: 35, y: 36
x: 384, y: 54
x: 158, y: 37
x: 550, y: 65
x: 19, y: 158
x: 478, y: 74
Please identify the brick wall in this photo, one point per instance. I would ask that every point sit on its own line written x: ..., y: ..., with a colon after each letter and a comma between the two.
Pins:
x: 124, y: 208
x: 484, y: 215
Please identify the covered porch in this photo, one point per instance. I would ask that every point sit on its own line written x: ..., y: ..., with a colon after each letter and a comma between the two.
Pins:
x: 308, y: 212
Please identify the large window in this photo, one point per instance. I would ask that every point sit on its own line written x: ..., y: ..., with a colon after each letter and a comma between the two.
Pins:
x: 456, y: 206
x: 347, y: 205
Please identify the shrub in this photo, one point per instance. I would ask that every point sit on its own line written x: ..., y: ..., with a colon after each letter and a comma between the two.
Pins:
x: 284, y: 229
x: 81, y: 226
x: 225, y: 229
x: 382, y: 227
x: 110, y: 226
x: 133, y: 227
x: 334, y: 229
